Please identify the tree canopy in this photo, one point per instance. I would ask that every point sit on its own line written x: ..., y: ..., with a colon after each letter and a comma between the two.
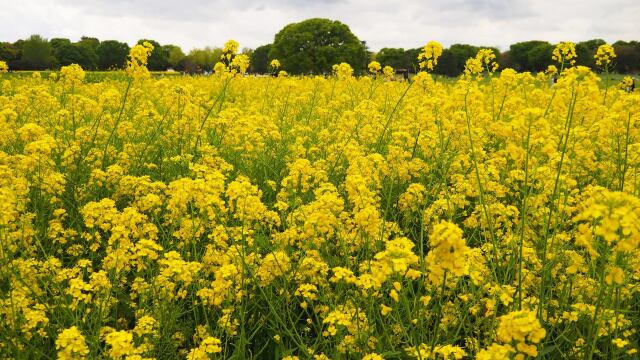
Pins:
x: 260, y: 59
x: 36, y: 53
x: 312, y: 46
x: 112, y: 54
x: 315, y: 45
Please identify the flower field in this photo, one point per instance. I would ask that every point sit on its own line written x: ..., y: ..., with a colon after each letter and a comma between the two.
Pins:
x: 496, y: 216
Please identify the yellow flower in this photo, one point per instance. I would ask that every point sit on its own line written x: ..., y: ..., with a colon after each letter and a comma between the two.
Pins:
x: 428, y: 57
x: 3, y: 67
x: 388, y: 71
x: 604, y: 55
x: 121, y: 344
x: 71, y: 344
x: 615, y: 275
x: 447, y: 253
x: 384, y: 309
x: 307, y: 291
x: 523, y: 328
x: 230, y: 47
x: 487, y: 58
x: 209, y: 345
x: 565, y: 52
x: 343, y: 71
x: 137, y: 63
x: 273, y: 265
x: 146, y: 325
x: 496, y: 352
x: 620, y: 343
x: 374, y: 67
x: 72, y: 75
x: 373, y: 356
x: 240, y: 63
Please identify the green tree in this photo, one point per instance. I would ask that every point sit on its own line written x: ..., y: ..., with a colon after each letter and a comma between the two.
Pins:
x: 628, y: 57
x: 585, y: 51
x: 87, y: 47
x: 82, y: 52
x: 90, y: 41
x: 453, y: 59
x: 200, y: 60
x: 260, y: 59
x: 175, y: 56
x: 36, y: 53
x: 539, y: 57
x: 315, y: 45
x: 65, y: 52
x: 519, y: 54
x: 412, y: 59
x: 112, y: 54
x: 57, y: 43
x: 395, y: 57
x: 9, y: 52
x: 159, y: 59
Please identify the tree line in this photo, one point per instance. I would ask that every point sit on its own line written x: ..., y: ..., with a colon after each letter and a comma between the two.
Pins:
x: 38, y: 53
x: 533, y: 56
x: 308, y: 47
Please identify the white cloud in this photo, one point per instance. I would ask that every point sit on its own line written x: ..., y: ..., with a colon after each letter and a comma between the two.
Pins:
x: 407, y: 23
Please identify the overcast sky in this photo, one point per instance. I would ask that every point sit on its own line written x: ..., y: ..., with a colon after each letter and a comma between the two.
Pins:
x: 403, y: 23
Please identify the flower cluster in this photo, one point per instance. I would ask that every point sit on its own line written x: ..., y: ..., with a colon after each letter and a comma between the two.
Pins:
x: 72, y: 75
x: 428, y: 57
x: 317, y: 217
x: 342, y: 70
x: 604, y: 55
x: 138, y: 57
x: 565, y: 52
x: 374, y: 67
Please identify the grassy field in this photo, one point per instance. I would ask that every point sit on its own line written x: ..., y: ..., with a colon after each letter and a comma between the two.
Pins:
x: 490, y: 216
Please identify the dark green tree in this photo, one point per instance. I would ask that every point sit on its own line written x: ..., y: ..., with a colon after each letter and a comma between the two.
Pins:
x: 17, y: 64
x: 112, y: 54
x: 36, y: 53
x: 452, y: 61
x: 260, y: 59
x: 87, y: 47
x: 395, y: 57
x: 90, y: 41
x: 628, y: 57
x: 412, y: 59
x: 539, y: 57
x: 66, y: 53
x: 63, y: 52
x: 175, y: 56
x: 57, y: 43
x: 519, y: 54
x: 585, y: 51
x: 315, y: 45
x: 9, y: 52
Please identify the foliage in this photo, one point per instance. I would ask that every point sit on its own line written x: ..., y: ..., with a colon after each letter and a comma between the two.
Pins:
x: 315, y: 45
x: 204, y: 59
x: 36, y: 53
x: 175, y: 57
x: 112, y: 54
x: 260, y: 59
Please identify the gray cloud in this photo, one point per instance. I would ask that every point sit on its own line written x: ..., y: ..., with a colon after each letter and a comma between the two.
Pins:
x: 407, y: 23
